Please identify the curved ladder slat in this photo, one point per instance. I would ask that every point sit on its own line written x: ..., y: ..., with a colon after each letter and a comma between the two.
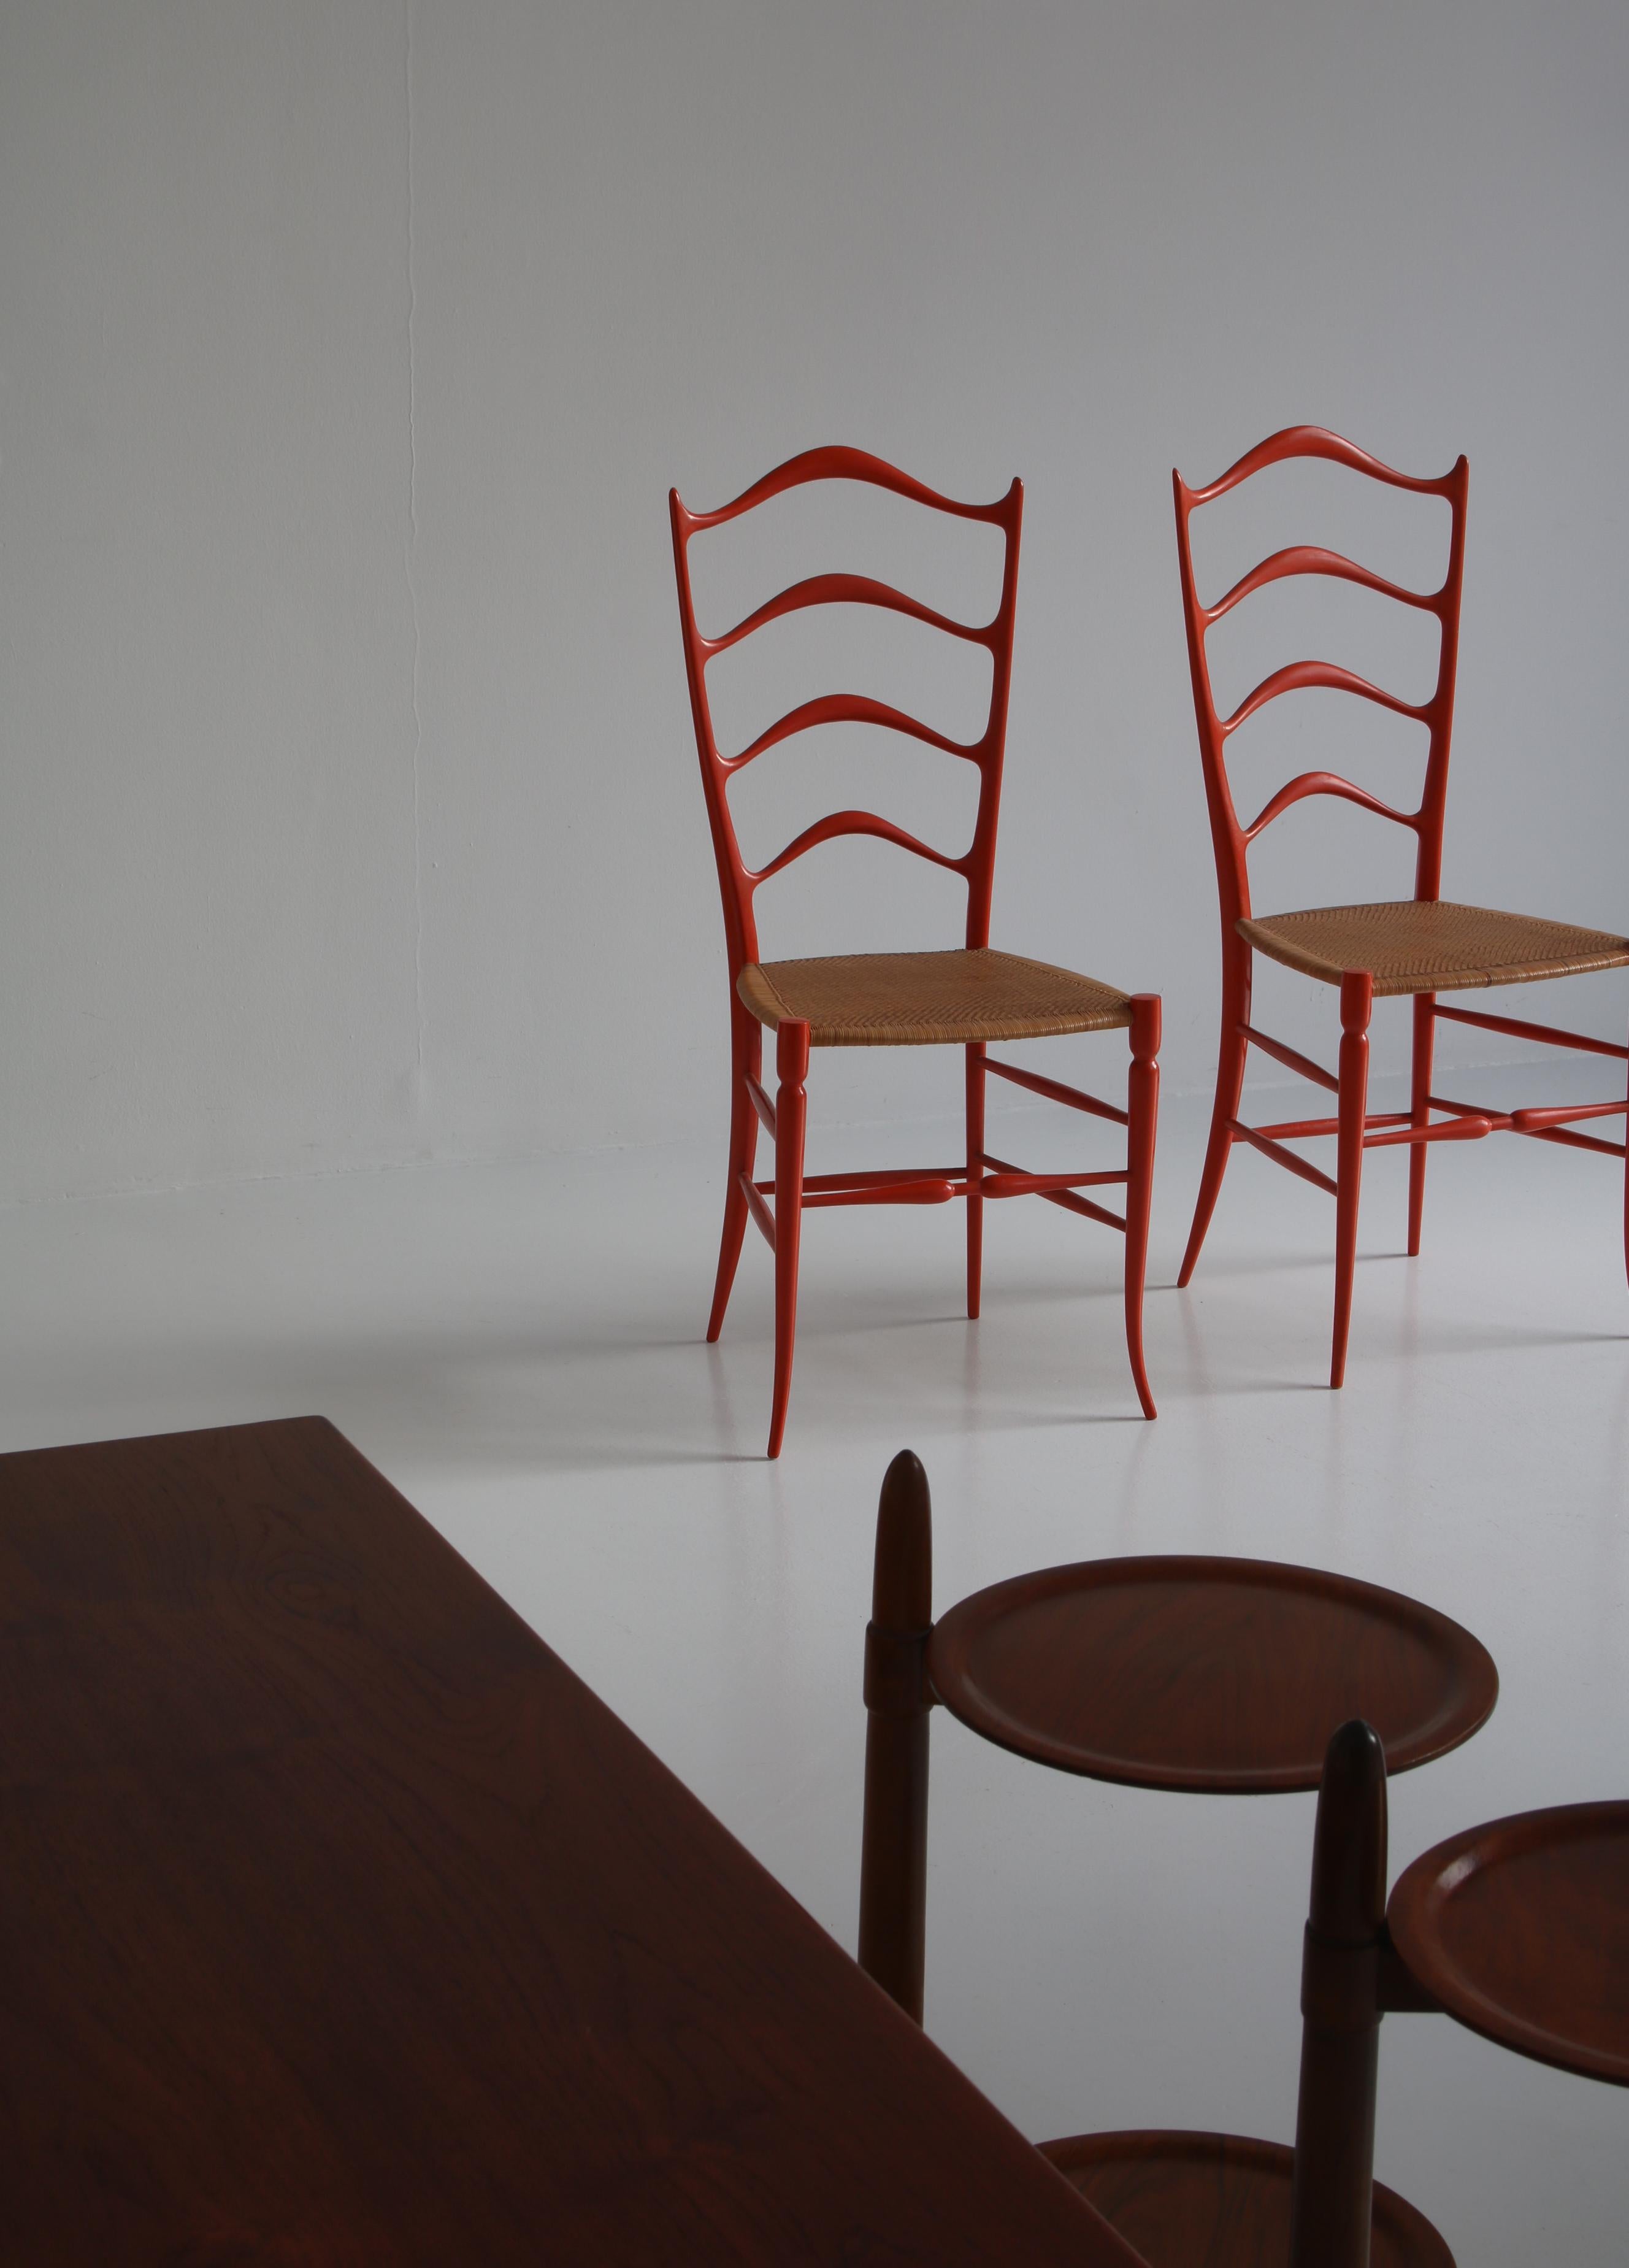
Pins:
x: 856, y: 822
x: 851, y: 709
x: 1312, y: 559
x: 1308, y: 784
x: 1317, y: 441
x: 852, y: 591
x: 1309, y: 676
x: 836, y: 463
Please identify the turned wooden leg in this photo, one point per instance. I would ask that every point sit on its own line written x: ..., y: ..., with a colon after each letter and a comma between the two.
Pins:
x: 1143, y: 1110
x: 975, y: 1175
x: 1419, y: 1112
x: 791, y: 1111
x: 1357, y: 993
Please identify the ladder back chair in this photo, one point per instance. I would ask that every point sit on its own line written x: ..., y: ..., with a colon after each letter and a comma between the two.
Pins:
x: 1199, y: 1675
x: 966, y: 998
x: 1415, y: 948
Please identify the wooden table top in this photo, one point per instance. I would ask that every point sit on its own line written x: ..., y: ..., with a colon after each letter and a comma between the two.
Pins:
x: 340, y: 1924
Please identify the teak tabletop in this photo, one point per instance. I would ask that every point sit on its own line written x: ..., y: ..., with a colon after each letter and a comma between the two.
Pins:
x: 340, y: 1923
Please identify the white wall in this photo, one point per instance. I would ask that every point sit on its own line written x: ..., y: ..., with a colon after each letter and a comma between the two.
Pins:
x: 349, y: 810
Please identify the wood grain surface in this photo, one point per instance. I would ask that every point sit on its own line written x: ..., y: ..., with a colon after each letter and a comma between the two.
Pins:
x: 1520, y: 1929
x: 340, y: 1923
x: 1220, y: 2201
x: 1212, y: 1675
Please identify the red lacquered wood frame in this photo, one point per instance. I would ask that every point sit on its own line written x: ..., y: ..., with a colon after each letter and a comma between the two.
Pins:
x: 784, y: 1117
x: 1356, y: 1129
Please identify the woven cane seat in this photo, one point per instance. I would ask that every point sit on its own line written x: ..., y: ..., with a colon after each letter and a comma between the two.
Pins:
x: 1408, y: 946
x: 928, y: 999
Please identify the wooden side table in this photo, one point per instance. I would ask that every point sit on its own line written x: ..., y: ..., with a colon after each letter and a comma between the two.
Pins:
x: 1212, y: 1675
x: 1519, y: 1929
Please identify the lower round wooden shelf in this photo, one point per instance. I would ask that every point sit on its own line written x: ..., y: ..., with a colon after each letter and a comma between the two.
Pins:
x: 1521, y: 1928
x: 1224, y: 1676
x: 1219, y: 2201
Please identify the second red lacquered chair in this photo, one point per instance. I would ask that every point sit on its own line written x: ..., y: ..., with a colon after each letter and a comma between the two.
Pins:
x: 966, y: 998
x: 1418, y: 948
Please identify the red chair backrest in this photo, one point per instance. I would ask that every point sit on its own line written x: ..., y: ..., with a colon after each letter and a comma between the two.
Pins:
x: 737, y: 881
x: 1231, y: 840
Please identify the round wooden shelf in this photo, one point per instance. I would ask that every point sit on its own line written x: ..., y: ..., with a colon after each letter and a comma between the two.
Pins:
x: 1521, y: 1928
x: 1197, y: 2201
x: 1221, y: 1676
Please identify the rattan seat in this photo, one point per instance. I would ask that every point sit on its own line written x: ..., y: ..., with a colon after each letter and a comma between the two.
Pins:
x: 928, y: 999
x: 1415, y: 945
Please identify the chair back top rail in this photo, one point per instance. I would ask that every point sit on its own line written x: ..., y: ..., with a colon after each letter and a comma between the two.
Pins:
x: 739, y: 883
x: 1231, y: 839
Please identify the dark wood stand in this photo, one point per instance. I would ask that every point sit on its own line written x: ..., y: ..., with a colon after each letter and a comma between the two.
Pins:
x: 1211, y: 1675
x: 1519, y: 1930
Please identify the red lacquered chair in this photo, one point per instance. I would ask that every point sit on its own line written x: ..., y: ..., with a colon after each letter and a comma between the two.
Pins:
x: 966, y: 998
x: 1419, y: 946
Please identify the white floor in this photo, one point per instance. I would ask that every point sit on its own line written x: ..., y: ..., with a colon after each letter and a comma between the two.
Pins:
x: 519, y: 1348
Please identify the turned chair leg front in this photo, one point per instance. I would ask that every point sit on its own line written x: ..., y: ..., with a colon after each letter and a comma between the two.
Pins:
x: 1420, y: 1113
x: 1356, y: 1005
x: 1143, y: 1115
x: 791, y: 1115
x: 976, y: 1084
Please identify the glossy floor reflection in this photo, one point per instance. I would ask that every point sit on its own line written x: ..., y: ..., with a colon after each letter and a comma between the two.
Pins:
x: 518, y: 1347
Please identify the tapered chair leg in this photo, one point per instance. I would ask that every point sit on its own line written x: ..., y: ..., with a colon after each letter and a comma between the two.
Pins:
x: 893, y: 1852
x: 975, y: 1177
x: 1357, y: 992
x: 1332, y: 2198
x: 1419, y: 1112
x: 791, y: 1111
x: 1626, y: 1198
x: 1231, y: 1053
x: 747, y: 1048
x: 1143, y: 1110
